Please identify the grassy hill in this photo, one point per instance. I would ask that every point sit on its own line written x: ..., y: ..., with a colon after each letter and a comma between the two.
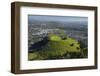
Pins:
x: 55, y: 47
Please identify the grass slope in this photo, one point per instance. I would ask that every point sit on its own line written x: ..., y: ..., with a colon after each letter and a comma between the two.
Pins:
x: 55, y: 48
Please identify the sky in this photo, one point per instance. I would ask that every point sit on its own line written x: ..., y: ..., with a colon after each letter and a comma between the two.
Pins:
x: 58, y: 18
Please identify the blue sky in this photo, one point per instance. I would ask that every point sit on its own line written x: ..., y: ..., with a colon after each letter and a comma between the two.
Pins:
x: 58, y: 18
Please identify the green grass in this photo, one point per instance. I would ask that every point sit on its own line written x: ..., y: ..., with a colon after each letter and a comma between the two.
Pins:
x: 56, y: 47
x: 54, y: 38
